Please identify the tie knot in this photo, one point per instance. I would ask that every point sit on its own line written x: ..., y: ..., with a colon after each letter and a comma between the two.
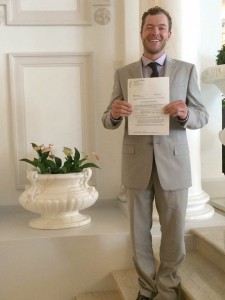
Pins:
x: 153, y: 66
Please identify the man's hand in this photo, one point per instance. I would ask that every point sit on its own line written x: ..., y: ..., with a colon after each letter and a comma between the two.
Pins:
x: 120, y: 109
x: 177, y: 108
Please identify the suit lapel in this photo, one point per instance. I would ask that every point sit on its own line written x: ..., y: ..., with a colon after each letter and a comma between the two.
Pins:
x: 136, y: 69
x: 170, y: 69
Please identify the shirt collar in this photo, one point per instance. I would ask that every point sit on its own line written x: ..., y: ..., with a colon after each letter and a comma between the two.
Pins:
x: 160, y: 60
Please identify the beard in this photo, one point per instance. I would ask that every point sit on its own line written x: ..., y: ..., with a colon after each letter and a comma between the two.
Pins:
x: 156, y: 50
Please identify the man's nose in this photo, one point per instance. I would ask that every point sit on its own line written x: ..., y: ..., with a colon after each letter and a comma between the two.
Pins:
x: 155, y: 30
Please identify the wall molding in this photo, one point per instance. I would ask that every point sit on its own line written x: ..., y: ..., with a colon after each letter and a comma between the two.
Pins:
x: 21, y: 101
x: 16, y: 15
x: 101, y: 2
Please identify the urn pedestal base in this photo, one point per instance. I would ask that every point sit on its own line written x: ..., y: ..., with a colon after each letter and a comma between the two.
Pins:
x: 60, y: 222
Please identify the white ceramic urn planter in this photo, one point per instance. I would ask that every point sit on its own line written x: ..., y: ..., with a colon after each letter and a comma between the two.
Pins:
x: 215, y: 75
x: 58, y: 198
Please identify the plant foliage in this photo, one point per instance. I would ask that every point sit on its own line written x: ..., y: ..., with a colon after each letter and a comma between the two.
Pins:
x: 220, y: 58
x: 47, y: 163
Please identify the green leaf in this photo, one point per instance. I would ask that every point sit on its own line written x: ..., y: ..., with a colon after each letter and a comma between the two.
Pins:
x: 36, y: 160
x: 68, y: 164
x: 76, y: 170
x: 42, y: 168
x: 29, y: 162
x: 58, y: 161
x: 38, y: 151
x: 90, y: 165
x: 220, y: 58
x: 64, y: 170
x: 69, y: 158
x: 50, y: 164
x: 44, y: 156
x: 46, y: 163
x: 76, y: 155
x: 81, y: 161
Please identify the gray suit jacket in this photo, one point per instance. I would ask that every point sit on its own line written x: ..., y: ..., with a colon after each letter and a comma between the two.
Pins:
x: 171, y: 152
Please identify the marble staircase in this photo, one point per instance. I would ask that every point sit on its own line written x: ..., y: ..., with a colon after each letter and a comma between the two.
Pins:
x: 202, y: 273
x: 80, y: 263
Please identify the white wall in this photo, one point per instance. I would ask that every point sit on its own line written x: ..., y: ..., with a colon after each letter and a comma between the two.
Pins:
x: 105, y: 42
x: 110, y: 50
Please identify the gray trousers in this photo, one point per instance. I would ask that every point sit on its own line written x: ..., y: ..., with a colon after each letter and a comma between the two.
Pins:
x: 171, y: 206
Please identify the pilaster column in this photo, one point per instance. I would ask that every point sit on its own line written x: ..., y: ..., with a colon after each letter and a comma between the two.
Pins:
x: 190, y: 50
x: 131, y: 31
x: 185, y: 45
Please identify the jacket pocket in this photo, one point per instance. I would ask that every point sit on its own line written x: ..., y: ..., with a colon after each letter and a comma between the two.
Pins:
x: 181, y: 149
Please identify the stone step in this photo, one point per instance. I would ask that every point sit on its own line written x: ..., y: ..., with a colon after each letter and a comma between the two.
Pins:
x: 202, y: 272
x: 128, y: 287
x: 210, y: 244
x: 126, y: 281
x: 108, y: 295
x: 201, y: 279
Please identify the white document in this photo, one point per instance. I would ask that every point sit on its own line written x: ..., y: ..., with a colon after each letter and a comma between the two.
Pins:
x: 148, y: 96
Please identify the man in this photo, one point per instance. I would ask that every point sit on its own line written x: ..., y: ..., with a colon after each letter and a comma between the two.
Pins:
x: 158, y: 167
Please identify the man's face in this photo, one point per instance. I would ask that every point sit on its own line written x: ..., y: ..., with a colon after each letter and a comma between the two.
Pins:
x: 155, y: 34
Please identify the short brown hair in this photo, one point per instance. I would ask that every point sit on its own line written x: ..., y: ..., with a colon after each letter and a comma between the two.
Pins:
x: 156, y: 11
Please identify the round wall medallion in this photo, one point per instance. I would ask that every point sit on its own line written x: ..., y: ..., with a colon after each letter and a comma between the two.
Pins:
x: 102, y: 16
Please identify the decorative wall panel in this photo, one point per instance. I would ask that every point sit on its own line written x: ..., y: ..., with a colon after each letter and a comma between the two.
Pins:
x: 51, y: 96
x: 48, y: 12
